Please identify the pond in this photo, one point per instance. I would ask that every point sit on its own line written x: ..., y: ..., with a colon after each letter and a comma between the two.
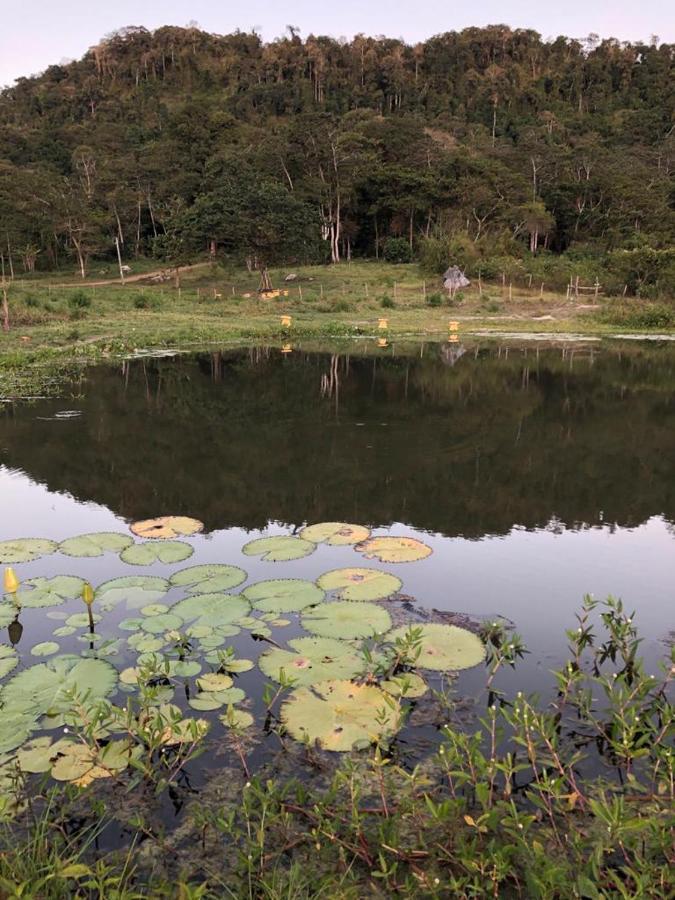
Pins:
x: 525, y: 475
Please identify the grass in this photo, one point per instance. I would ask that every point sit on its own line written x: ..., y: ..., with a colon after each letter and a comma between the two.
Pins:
x: 56, y: 322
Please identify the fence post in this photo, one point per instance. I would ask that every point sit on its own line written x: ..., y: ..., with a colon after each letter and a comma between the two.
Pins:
x: 541, y: 292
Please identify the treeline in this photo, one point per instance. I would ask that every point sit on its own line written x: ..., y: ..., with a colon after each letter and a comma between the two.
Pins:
x: 486, y: 147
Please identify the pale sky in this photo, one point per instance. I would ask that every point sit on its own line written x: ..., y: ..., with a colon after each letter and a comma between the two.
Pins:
x: 46, y: 32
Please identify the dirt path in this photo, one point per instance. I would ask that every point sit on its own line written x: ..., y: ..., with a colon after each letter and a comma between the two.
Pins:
x: 128, y: 279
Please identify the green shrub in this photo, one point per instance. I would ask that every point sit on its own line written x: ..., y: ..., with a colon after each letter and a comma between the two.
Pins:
x: 397, y: 250
x: 435, y: 299
x: 31, y: 302
x: 147, y: 301
x: 387, y: 303
x: 79, y: 300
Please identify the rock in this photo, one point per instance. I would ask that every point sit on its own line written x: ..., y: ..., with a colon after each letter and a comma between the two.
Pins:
x: 291, y: 277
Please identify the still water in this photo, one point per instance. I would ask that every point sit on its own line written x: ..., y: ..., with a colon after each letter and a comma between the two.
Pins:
x: 536, y: 473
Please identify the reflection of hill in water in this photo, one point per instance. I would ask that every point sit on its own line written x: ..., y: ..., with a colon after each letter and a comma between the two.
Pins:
x: 246, y: 436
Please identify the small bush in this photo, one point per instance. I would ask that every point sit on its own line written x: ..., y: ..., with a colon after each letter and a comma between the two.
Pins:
x: 32, y: 302
x: 79, y: 300
x: 492, y: 306
x: 146, y: 301
x: 652, y: 315
x: 435, y: 299
x: 342, y: 306
x: 397, y: 250
x: 387, y: 303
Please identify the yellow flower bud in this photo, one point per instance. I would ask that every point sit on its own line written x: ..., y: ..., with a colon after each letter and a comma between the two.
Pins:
x: 88, y: 594
x: 11, y: 581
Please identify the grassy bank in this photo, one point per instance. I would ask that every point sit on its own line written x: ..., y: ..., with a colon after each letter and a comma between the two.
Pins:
x: 55, y: 322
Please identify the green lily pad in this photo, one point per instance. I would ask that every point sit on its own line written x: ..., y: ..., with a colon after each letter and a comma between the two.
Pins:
x: 154, y: 609
x: 337, y: 534
x: 131, y: 624
x: 209, y: 579
x: 8, y: 612
x: 40, y: 592
x: 44, y: 687
x: 167, y: 527
x: 17, y: 725
x: 360, y: 584
x: 407, y: 685
x: 280, y: 623
x: 161, y: 624
x: 146, y: 643
x: 24, y: 550
x: 64, y: 631
x: 211, y: 609
x: 445, y: 647
x: 238, y: 666
x: 95, y: 544
x: 214, y: 682
x: 81, y: 620
x: 9, y: 660
x: 347, y: 620
x: 283, y: 595
x: 147, y: 554
x: 340, y: 714
x: 393, y: 549
x: 37, y: 755
x: 46, y: 648
x: 205, y: 702
x: 312, y: 659
x: 136, y: 590
x: 237, y: 718
x: 280, y: 548
x: 232, y: 695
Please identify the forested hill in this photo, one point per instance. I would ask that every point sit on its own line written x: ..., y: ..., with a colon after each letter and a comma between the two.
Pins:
x: 492, y: 138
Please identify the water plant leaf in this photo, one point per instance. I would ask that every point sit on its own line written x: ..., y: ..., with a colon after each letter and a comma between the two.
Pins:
x: 209, y: 579
x: 81, y: 620
x: 238, y: 665
x: 137, y: 590
x: 279, y: 548
x: 46, y: 648
x: 170, y: 729
x: 236, y: 718
x: 444, y: 647
x: 340, y: 714
x: 45, y: 687
x: 8, y: 612
x: 147, y: 643
x: 311, y: 660
x: 337, y: 534
x: 346, y: 620
x: 41, y: 592
x: 148, y: 553
x: 64, y: 631
x: 211, y: 609
x: 167, y: 527
x: 130, y: 624
x: 8, y: 659
x: 206, y: 701
x: 283, y: 595
x: 37, y: 755
x: 360, y: 584
x: 154, y: 609
x: 23, y: 550
x: 162, y: 623
x: 17, y: 725
x: 95, y: 544
x: 214, y: 682
x: 409, y: 684
x: 394, y: 549
x: 232, y: 695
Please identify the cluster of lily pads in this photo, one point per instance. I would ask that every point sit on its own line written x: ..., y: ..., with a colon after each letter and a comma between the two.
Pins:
x: 336, y: 697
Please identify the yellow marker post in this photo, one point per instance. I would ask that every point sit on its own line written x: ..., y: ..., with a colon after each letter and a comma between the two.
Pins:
x: 382, y: 324
x: 453, y: 326
x: 382, y: 342
x: 286, y: 321
x: 287, y: 348
x: 11, y: 581
x: 453, y: 339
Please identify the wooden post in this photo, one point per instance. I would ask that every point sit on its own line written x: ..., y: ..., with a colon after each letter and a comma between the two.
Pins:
x: 233, y: 290
x: 394, y: 290
x: 480, y: 286
x: 321, y: 286
x: 541, y: 292
x: 576, y: 288
x: 597, y: 287
x: 199, y: 293
x: 510, y: 291
x: 424, y: 290
x: 366, y: 287
x: 530, y: 277
x: 119, y: 258
x: 300, y: 290
x: 5, y: 309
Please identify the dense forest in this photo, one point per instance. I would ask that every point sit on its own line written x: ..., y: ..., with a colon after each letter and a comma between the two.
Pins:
x: 488, y: 147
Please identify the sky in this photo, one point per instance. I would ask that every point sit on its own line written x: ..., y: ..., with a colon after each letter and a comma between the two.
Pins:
x: 48, y: 32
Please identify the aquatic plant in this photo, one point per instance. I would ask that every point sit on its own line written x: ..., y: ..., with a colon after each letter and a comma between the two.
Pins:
x: 443, y: 647
x: 347, y: 620
x: 167, y: 527
x: 337, y: 534
x: 209, y: 578
x: 21, y: 550
x: 393, y: 549
x: 283, y: 595
x: 312, y: 659
x: 95, y: 544
x: 148, y: 553
x: 280, y: 548
x: 360, y: 584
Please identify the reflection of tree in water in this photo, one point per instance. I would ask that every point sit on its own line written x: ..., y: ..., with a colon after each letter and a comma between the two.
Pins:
x: 503, y: 437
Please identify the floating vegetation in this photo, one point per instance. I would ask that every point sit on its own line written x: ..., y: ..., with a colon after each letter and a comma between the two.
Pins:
x: 37, y: 593
x: 149, y: 553
x: 337, y: 534
x: 444, y: 647
x: 136, y: 590
x: 9, y: 660
x: 394, y: 549
x: 25, y: 550
x: 166, y: 528
x: 313, y: 659
x: 46, y: 648
x: 90, y: 545
x: 208, y: 579
x: 212, y: 610
x: 283, y: 595
x: 347, y: 620
x: 360, y: 584
x: 409, y: 684
x: 280, y: 548
x: 340, y: 715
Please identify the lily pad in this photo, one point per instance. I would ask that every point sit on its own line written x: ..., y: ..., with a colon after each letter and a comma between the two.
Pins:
x: 408, y: 684
x: 340, y: 714
x: 137, y: 590
x: 38, y: 755
x: 237, y: 666
x: 347, y: 620
x: 8, y: 660
x: 17, y: 725
x: 45, y: 687
x: 280, y: 548
x: 81, y: 620
x: 149, y: 553
x: 214, y: 682
x: 162, y: 623
x: 95, y: 544
x: 8, y: 612
x: 209, y: 579
x: 445, y: 647
x: 311, y: 660
x: 24, y: 550
x: 40, y: 592
x: 167, y: 527
x: 337, y: 534
x: 211, y: 609
x: 360, y: 584
x: 394, y: 549
x: 283, y: 595
x: 237, y: 718
x: 46, y: 648
x: 154, y: 609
